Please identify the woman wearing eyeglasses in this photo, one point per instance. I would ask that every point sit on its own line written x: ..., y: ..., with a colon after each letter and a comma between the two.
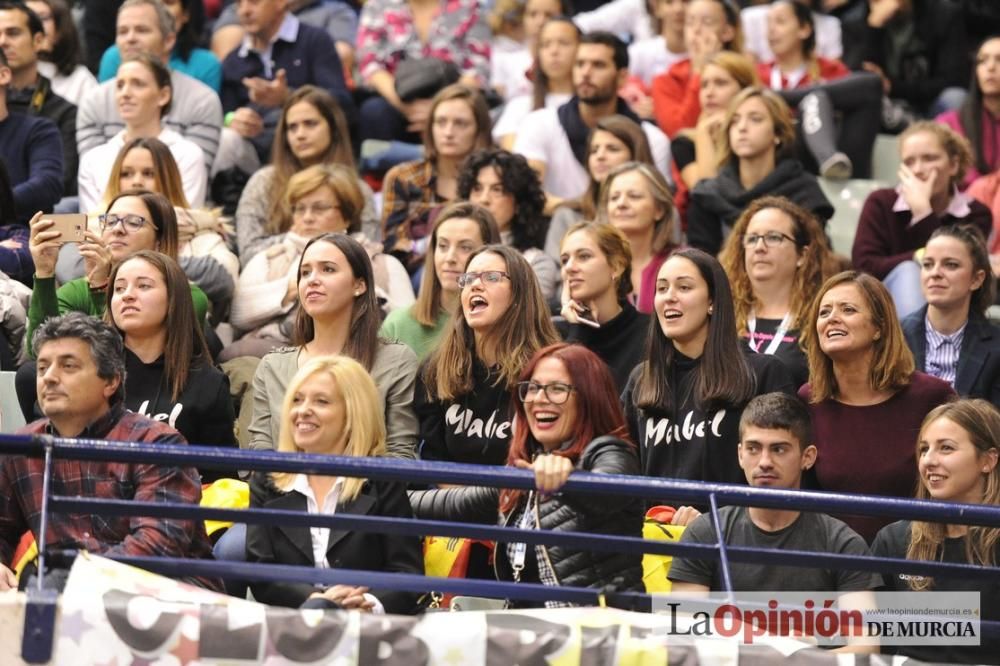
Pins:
x: 463, y: 389
x: 143, y: 94
x: 135, y: 220
x: 776, y: 259
x: 567, y: 418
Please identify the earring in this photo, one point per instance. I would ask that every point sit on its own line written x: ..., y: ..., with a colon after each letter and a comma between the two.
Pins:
x: 710, y: 309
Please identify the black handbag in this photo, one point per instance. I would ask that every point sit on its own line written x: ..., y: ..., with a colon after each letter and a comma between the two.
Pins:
x: 422, y: 78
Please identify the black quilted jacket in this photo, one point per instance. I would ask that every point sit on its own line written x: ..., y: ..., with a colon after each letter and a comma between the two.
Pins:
x: 598, y: 514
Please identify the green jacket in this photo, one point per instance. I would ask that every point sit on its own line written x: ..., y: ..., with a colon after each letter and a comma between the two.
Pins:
x: 76, y: 296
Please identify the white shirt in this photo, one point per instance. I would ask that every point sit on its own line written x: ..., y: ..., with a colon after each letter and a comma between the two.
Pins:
x: 543, y: 139
x: 95, y: 169
x: 321, y: 535
x: 515, y: 111
x: 622, y: 17
x: 288, y: 31
x: 509, y: 71
x: 72, y: 88
x: 650, y: 58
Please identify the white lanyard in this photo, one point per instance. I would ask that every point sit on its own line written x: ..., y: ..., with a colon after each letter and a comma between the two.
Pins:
x: 779, y: 335
x: 521, y: 549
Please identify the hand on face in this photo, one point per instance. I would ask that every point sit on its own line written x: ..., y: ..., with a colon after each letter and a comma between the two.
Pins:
x: 916, y: 192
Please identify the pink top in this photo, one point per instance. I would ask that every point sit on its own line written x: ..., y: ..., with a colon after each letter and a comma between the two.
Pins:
x: 990, y: 137
x: 647, y: 286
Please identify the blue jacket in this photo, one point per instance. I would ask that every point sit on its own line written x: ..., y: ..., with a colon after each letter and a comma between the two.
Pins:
x: 311, y: 59
x: 978, y: 373
x: 32, y: 150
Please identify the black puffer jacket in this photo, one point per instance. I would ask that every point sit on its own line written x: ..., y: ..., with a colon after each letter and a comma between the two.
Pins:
x: 599, y: 514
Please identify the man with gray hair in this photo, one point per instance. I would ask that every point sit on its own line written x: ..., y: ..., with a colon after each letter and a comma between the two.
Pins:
x: 81, y: 370
x: 147, y: 27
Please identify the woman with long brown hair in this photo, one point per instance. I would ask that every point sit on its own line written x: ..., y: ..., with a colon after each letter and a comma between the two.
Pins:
x: 463, y: 389
x: 865, y: 396
x: 684, y: 400
x: 956, y: 456
x: 311, y: 130
x: 338, y: 313
x: 168, y: 370
x: 613, y: 141
x: 459, y: 230
x: 551, y: 78
x: 458, y: 125
x: 776, y: 258
x: 755, y: 160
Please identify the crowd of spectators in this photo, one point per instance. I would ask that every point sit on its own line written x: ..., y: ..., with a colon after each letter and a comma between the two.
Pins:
x: 506, y: 234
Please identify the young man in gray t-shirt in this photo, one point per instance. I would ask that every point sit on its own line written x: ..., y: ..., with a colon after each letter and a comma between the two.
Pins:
x: 774, y: 450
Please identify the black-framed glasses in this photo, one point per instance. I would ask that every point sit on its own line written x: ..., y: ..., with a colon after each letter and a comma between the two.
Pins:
x: 130, y: 222
x: 771, y: 239
x: 557, y: 393
x: 488, y: 277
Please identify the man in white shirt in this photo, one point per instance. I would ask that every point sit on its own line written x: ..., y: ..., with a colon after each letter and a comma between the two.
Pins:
x: 554, y: 141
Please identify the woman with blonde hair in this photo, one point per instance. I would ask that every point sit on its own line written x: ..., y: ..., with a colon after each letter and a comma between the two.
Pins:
x: 865, y: 396
x: 311, y: 130
x: 897, y: 222
x: 458, y: 124
x: 756, y: 159
x: 695, y: 149
x: 956, y: 456
x: 329, y: 409
x: 636, y: 200
x: 596, y: 312
x: 323, y: 198
x: 463, y: 389
x: 460, y: 229
x: 776, y: 258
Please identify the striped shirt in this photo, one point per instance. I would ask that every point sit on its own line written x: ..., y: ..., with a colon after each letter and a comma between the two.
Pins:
x: 942, y: 353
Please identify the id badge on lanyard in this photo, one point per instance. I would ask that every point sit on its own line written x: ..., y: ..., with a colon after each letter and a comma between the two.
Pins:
x: 520, y: 553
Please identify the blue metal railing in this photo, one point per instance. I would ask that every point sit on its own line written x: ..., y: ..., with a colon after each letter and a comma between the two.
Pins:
x: 422, y: 472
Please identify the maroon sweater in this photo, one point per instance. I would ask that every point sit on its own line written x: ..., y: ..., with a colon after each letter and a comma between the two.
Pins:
x: 884, y: 238
x: 871, y: 450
